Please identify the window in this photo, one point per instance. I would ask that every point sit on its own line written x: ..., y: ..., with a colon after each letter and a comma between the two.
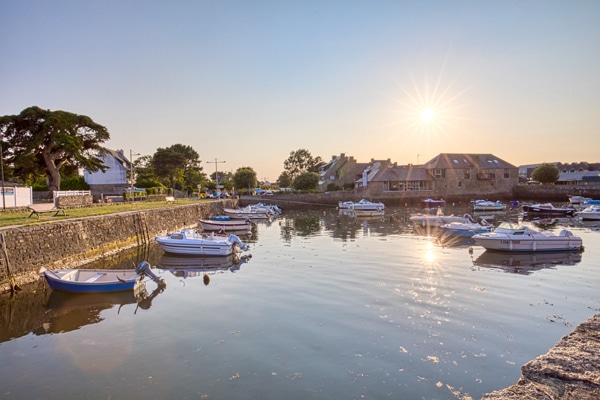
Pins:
x: 467, y: 174
x: 439, y: 173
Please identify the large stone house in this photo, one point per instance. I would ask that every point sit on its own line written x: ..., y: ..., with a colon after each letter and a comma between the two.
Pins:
x: 446, y: 175
x: 114, y: 180
x: 340, y: 171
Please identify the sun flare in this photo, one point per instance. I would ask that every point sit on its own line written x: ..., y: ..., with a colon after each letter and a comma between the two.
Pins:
x: 427, y: 115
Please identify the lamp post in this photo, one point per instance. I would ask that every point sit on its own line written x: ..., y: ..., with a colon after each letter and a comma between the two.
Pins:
x: 216, y: 171
x: 131, y: 155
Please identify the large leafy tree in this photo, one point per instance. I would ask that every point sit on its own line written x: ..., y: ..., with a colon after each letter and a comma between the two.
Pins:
x: 301, y: 161
x: 41, y: 142
x: 284, y: 180
x: 545, y: 173
x: 180, y: 165
x: 245, y: 177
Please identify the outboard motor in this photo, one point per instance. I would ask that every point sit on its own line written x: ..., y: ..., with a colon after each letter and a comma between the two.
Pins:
x: 144, y: 269
x: 236, y: 240
x: 469, y: 218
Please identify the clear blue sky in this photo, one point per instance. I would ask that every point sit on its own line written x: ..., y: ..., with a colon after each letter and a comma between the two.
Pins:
x: 247, y: 82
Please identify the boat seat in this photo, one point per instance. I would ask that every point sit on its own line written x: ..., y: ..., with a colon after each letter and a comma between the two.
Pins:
x: 96, y: 277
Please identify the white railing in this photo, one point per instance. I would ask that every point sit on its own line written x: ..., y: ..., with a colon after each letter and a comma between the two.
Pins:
x: 60, y: 193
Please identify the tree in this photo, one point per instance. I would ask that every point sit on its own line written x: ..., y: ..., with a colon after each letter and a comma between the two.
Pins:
x: 545, y: 173
x: 306, y: 181
x: 284, y: 180
x: 42, y: 142
x: 245, y: 177
x: 180, y: 165
x: 301, y: 161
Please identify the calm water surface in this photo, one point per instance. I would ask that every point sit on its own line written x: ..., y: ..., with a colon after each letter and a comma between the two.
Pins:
x: 327, y: 307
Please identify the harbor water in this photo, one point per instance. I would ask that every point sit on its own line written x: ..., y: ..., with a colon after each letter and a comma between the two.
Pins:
x: 323, y: 306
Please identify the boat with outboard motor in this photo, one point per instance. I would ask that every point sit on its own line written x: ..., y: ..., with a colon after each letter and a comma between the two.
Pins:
x: 246, y: 213
x: 509, y: 237
x: 191, y: 242
x: 98, y: 280
x: 466, y: 229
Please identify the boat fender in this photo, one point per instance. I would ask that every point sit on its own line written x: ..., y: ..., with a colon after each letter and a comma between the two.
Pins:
x: 144, y: 269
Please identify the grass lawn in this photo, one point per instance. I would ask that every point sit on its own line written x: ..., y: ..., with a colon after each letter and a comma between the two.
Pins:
x: 20, y: 217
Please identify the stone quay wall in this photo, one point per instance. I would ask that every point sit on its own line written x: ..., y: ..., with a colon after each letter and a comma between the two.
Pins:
x: 76, y: 242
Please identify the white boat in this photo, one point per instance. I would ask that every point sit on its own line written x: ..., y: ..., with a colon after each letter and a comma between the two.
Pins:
x: 192, y: 242
x: 508, y: 237
x: 246, y: 213
x: 362, y: 205
x: 271, y: 209
x: 439, y: 219
x: 578, y: 199
x: 466, y: 229
x: 590, y: 213
x: 485, y: 205
x: 237, y: 225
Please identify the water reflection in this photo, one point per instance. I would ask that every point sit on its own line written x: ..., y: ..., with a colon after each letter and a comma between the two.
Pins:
x: 66, y: 312
x: 191, y: 266
x: 526, y: 263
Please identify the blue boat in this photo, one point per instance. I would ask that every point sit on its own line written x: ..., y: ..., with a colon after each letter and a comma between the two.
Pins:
x: 98, y: 280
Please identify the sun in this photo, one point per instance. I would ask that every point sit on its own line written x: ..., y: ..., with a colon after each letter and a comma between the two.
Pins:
x: 427, y: 115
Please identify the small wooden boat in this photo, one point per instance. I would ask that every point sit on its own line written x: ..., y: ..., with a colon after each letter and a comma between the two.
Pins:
x: 192, y: 242
x: 98, y: 280
x: 236, y: 225
x: 548, y: 208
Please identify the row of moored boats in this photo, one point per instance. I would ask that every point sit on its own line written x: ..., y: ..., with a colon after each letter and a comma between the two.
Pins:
x: 219, y: 237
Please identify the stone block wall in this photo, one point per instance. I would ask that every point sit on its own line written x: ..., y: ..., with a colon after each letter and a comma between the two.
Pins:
x: 76, y: 242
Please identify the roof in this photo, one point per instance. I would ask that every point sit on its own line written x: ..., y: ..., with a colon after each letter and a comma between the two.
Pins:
x: 461, y: 160
x: 405, y: 173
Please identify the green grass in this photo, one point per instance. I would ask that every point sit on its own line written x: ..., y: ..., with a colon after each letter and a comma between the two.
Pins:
x: 20, y: 217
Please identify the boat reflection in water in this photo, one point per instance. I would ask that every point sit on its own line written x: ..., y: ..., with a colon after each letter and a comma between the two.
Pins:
x: 196, y: 266
x: 526, y: 263
x: 70, y: 311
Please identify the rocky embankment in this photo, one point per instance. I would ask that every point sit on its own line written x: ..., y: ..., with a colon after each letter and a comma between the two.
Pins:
x: 570, y: 370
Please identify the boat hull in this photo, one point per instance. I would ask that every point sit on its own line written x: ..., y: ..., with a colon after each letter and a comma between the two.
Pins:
x: 191, y: 242
x: 548, y: 211
x: 501, y: 242
x: 225, y: 225
x: 92, y: 281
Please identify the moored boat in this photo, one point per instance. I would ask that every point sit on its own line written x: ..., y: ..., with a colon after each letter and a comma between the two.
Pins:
x: 98, y: 280
x: 575, y: 199
x: 485, y: 205
x: 591, y: 213
x: 246, y: 213
x: 508, y: 237
x: 192, y: 242
x: 362, y: 205
x: 466, y: 229
x: 433, y: 203
x: 439, y: 219
x: 548, y: 208
x: 236, y: 225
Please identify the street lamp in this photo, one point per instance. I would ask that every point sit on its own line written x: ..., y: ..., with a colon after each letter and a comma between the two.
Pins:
x: 216, y: 171
x: 131, y: 155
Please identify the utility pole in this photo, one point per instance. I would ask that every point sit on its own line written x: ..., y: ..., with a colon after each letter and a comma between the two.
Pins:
x: 131, y: 154
x: 216, y: 170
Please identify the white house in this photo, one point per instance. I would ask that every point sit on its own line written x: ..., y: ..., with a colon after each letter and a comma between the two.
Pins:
x: 114, y: 180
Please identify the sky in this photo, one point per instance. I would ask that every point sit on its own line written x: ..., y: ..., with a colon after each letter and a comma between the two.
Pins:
x: 245, y: 83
